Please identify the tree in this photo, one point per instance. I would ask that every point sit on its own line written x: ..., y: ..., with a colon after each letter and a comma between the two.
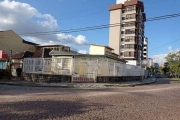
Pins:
x: 160, y: 69
x: 173, y: 60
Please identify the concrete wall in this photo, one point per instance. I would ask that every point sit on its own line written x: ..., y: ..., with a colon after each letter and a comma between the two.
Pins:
x: 32, y: 77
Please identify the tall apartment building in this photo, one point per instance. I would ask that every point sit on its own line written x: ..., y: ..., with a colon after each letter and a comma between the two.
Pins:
x: 145, y: 48
x: 127, y: 39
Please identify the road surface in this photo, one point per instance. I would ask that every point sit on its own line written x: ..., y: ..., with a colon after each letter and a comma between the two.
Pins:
x: 159, y: 101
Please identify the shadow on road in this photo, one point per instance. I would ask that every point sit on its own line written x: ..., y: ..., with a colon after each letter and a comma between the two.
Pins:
x: 162, y: 81
x: 34, y: 110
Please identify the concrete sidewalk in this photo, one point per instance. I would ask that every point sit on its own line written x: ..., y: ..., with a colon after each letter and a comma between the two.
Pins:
x: 79, y: 85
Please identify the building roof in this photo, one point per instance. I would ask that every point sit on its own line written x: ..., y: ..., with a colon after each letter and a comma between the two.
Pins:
x: 54, y: 52
x: 14, y: 42
x: 23, y: 54
x: 56, y: 45
x: 40, y: 53
x: 103, y: 46
x: 27, y: 42
x: 60, y: 53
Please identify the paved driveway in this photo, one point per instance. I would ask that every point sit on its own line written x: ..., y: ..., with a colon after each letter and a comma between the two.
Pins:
x: 159, y: 101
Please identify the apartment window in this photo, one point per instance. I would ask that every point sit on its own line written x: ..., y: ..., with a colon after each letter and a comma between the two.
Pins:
x: 128, y: 54
x: 129, y: 46
x: 121, y: 53
x: 122, y: 39
x: 129, y: 24
x: 123, y: 18
x: 128, y: 39
x: 131, y: 16
x: 122, y: 32
x: 130, y: 31
x: 122, y: 47
x: 123, y: 11
x: 131, y: 8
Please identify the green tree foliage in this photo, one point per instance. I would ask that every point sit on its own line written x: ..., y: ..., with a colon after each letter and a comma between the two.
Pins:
x: 160, y: 69
x: 173, y: 60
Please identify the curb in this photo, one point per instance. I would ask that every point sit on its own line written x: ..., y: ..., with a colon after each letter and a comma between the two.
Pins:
x: 79, y: 86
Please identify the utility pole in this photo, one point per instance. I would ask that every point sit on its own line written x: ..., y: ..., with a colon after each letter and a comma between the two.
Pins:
x: 10, y: 59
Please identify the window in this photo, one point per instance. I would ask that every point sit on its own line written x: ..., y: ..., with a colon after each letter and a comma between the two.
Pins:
x: 129, y: 46
x: 128, y: 54
x: 131, y: 8
x: 123, y: 18
x: 130, y: 31
x: 121, y: 54
x: 122, y: 47
x: 122, y: 39
x: 131, y: 16
x: 129, y: 24
x: 129, y: 39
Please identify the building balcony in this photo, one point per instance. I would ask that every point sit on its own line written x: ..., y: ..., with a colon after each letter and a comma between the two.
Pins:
x: 130, y: 35
x: 130, y: 19
x: 130, y: 56
x: 129, y: 49
x: 130, y: 12
x: 129, y: 27
x: 129, y: 41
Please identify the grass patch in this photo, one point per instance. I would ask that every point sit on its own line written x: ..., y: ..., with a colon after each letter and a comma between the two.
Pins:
x: 178, y: 79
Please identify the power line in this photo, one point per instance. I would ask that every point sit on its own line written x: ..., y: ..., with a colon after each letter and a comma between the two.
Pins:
x: 164, y: 45
x: 95, y: 27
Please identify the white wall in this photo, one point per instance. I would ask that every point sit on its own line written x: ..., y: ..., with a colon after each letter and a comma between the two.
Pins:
x: 97, y: 50
x: 131, y: 62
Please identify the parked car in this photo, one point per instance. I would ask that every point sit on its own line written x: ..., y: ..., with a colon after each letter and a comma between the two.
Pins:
x: 158, y: 75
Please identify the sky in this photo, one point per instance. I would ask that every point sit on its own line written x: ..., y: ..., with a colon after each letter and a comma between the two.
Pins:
x: 32, y: 16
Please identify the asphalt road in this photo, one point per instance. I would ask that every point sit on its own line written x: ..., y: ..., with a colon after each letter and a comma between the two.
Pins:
x: 159, y: 101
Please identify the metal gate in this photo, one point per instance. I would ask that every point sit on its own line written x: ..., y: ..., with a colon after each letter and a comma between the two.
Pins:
x: 85, y: 71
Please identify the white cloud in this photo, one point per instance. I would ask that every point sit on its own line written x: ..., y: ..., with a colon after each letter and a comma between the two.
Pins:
x: 173, y: 51
x: 170, y: 49
x: 82, y: 51
x: 120, y: 1
x: 159, y: 58
x: 23, y: 18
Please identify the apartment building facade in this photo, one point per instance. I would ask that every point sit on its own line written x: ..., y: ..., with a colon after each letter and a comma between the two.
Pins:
x: 127, y: 37
x: 145, y: 48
